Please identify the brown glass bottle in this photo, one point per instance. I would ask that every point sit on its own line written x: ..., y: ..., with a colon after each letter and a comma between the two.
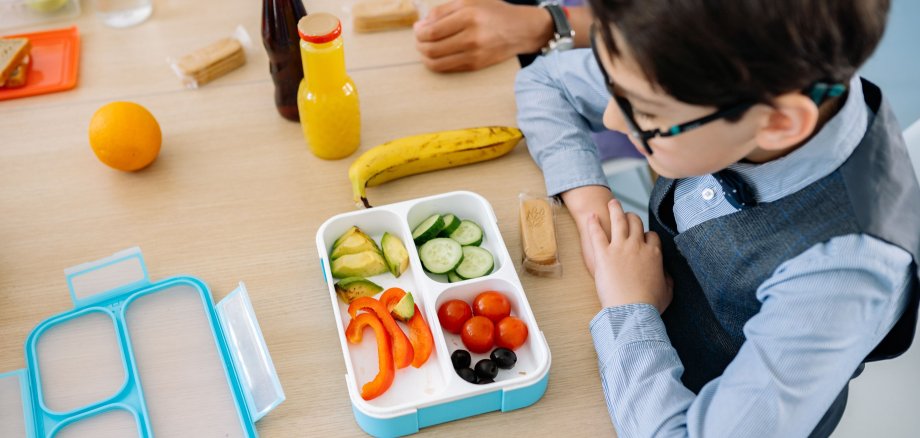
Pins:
x: 279, y: 36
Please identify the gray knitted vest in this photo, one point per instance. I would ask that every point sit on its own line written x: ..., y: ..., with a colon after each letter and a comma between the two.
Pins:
x: 718, y: 265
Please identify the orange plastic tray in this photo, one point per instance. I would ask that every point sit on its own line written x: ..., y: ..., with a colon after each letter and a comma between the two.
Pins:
x: 55, y: 62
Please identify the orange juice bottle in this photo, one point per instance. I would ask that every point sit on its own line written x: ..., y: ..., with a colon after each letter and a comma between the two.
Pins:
x: 327, y: 99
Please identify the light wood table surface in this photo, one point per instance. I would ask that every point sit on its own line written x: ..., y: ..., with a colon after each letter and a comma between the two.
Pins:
x: 236, y: 195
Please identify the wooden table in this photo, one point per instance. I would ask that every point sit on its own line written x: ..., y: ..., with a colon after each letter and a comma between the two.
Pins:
x: 236, y: 195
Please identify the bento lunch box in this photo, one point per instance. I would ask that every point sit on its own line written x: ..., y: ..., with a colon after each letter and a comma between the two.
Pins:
x: 140, y: 358
x: 434, y: 393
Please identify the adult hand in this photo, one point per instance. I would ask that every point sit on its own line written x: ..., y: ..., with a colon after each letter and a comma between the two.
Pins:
x: 628, y: 266
x: 464, y: 35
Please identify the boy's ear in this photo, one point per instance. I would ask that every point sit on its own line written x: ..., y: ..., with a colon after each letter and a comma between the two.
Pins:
x: 791, y: 120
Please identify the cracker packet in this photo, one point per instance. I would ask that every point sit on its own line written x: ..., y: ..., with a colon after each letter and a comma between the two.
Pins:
x: 381, y: 15
x: 208, y: 63
x: 538, y: 235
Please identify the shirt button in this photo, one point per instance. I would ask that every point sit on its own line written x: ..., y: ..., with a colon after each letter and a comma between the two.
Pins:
x: 708, y: 194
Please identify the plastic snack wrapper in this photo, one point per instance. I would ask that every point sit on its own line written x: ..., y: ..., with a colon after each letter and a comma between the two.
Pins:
x: 213, y: 61
x: 538, y: 235
x: 380, y: 15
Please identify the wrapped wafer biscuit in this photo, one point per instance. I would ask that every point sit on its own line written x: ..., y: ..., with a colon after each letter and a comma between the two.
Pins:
x: 538, y: 236
x: 212, y: 61
x: 379, y: 15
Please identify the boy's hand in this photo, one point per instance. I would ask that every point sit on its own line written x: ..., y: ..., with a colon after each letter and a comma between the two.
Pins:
x: 628, y: 266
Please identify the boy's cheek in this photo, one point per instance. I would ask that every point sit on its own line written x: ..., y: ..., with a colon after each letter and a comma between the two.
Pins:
x: 694, y: 154
x: 662, y: 170
x: 679, y: 163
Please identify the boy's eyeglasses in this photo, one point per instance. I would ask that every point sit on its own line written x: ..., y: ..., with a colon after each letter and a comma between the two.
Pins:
x: 644, y: 136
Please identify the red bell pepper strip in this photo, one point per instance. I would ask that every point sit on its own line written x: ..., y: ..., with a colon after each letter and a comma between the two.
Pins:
x: 402, y: 349
x: 420, y: 334
x: 386, y: 373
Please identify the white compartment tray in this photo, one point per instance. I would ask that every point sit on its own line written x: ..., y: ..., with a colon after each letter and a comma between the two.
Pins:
x: 434, y: 393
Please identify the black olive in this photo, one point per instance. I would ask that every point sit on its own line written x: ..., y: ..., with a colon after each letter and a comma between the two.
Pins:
x: 504, y: 358
x: 460, y: 359
x: 486, y: 369
x: 467, y: 374
x: 484, y: 381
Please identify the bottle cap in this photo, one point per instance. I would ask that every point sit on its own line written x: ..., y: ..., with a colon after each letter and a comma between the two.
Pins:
x: 319, y: 28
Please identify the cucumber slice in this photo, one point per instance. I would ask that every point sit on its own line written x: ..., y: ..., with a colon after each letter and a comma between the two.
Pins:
x: 467, y: 234
x: 477, y: 262
x: 441, y: 255
x: 451, y: 223
x: 428, y: 229
x: 452, y: 277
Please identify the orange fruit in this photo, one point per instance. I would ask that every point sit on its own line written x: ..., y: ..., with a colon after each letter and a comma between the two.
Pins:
x: 125, y: 136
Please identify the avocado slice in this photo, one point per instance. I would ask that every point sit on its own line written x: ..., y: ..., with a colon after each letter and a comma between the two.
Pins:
x: 395, y: 253
x: 404, y: 309
x: 352, y: 242
x: 352, y: 288
x: 362, y: 264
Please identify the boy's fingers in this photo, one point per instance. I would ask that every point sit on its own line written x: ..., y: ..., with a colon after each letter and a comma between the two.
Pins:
x: 652, y: 239
x: 619, y: 227
x: 635, y: 226
x: 596, y: 234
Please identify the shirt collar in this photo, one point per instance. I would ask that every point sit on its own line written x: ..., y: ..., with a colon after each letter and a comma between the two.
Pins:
x: 822, y: 154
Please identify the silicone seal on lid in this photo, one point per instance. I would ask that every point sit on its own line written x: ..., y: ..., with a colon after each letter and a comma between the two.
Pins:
x: 319, y: 28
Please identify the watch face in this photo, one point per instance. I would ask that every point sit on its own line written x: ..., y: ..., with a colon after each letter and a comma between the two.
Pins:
x: 564, y: 43
x: 559, y: 44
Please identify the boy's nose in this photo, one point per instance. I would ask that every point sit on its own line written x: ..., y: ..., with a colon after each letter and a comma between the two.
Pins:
x: 613, y: 118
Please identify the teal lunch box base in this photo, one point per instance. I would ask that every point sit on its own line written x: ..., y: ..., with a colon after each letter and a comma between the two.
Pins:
x: 504, y: 400
x: 103, y: 293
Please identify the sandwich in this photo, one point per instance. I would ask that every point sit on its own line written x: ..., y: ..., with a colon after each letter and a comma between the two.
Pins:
x: 14, y: 61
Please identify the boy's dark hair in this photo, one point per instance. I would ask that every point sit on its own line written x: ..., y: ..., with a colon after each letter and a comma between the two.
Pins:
x: 721, y: 52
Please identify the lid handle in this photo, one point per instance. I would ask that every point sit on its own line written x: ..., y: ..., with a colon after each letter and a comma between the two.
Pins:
x: 95, y: 281
x: 251, y: 359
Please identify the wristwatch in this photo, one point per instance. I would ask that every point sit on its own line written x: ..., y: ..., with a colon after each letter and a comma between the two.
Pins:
x: 563, y: 34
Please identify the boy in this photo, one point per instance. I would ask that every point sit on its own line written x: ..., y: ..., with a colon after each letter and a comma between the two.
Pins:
x: 785, y: 221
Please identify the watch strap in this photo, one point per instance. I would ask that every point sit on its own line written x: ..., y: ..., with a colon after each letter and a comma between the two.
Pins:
x: 563, y: 31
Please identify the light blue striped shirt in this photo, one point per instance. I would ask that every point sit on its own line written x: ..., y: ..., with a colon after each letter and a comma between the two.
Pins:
x: 822, y: 311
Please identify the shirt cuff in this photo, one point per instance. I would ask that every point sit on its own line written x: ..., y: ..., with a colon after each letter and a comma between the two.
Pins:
x: 571, y: 169
x: 615, y: 327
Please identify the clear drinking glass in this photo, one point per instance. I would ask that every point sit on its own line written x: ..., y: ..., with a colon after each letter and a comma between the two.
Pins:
x: 123, y: 13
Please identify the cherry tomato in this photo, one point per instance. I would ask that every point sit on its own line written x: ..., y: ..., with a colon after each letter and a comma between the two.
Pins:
x: 452, y: 314
x: 492, y: 305
x: 510, y: 333
x: 477, y: 334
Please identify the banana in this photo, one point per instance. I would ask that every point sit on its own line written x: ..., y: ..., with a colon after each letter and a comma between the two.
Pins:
x: 426, y: 152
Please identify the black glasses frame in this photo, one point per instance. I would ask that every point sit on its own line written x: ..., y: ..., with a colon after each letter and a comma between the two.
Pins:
x: 643, y: 135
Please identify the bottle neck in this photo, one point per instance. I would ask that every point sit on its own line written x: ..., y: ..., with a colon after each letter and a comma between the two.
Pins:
x: 324, y: 64
x: 279, y: 21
